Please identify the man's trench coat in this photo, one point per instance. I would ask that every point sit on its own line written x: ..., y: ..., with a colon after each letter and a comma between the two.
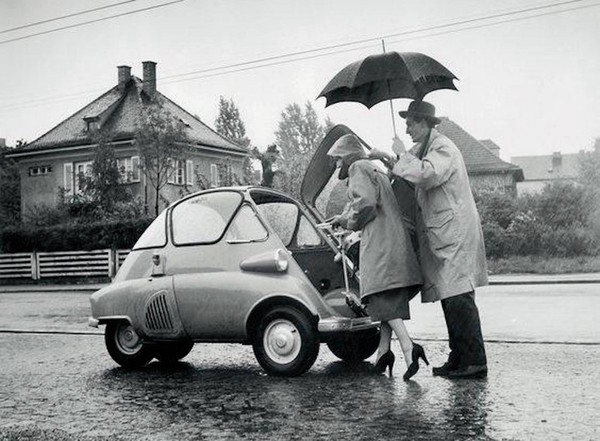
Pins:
x: 451, y: 247
x: 387, y: 258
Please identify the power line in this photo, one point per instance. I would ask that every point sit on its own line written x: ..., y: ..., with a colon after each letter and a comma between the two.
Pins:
x: 210, y: 72
x: 405, y: 36
x: 90, y: 21
x: 87, y: 11
x: 378, y: 39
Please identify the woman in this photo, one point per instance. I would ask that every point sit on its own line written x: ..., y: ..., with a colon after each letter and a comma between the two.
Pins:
x: 390, y: 274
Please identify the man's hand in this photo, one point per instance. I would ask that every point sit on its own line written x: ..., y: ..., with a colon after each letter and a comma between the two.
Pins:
x: 387, y: 159
x: 398, y: 146
x: 378, y: 154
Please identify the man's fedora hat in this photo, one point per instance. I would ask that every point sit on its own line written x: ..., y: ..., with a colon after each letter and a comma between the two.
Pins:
x: 421, y: 109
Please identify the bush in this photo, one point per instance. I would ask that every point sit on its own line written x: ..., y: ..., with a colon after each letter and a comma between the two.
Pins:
x: 74, y: 236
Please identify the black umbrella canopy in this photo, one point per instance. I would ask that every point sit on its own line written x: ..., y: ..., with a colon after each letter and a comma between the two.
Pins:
x: 386, y: 76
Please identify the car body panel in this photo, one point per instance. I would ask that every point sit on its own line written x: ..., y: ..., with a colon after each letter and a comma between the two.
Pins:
x: 200, y: 291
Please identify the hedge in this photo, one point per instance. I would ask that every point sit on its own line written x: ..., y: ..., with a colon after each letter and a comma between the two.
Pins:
x: 76, y: 236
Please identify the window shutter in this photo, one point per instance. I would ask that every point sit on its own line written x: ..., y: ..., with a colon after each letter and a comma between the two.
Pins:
x: 171, y: 172
x: 135, y: 168
x: 214, y: 175
x: 189, y: 172
x: 68, y: 178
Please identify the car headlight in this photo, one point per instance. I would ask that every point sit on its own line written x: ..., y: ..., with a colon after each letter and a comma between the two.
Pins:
x: 269, y: 262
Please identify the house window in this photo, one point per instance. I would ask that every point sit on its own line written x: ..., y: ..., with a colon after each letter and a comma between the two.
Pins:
x: 182, y: 172
x: 82, y: 169
x: 129, y: 169
x: 40, y: 170
x: 73, y: 172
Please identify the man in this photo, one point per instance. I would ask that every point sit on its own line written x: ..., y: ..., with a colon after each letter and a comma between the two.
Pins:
x: 451, y: 247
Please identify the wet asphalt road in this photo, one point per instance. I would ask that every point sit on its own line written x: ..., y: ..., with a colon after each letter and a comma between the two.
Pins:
x: 66, y: 387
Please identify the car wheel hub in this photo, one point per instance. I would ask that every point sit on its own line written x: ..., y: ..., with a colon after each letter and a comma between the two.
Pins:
x: 282, y: 341
x: 128, y: 340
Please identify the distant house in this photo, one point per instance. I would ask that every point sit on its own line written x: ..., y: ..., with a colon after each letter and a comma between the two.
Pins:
x: 541, y: 170
x: 487, y: 172
x: 56, y: 159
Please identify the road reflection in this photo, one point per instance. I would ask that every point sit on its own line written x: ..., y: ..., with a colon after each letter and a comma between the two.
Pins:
x: 338, y: 400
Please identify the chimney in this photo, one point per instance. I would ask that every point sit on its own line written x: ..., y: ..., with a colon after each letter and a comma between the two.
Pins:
x: 556, y: 159
x: 124, y: 74
x: 149, y: 78
x: 2, y: 142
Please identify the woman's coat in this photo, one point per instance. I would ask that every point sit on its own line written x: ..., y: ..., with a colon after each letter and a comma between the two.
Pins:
x: 387, y: 258
x: 451, y: 247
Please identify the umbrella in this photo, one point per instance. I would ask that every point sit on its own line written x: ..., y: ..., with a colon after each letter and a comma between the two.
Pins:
x: 386, y: 76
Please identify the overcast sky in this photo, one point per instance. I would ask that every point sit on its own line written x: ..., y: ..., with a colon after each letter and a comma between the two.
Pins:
x: 529, y: 80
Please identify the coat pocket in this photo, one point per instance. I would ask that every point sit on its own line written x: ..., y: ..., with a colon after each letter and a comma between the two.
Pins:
x: 441, y: 230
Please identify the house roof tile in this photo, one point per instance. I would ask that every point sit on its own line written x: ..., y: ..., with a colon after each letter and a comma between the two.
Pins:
x: 120, y: 110
x: 478, y: 158
x: 542, y: 167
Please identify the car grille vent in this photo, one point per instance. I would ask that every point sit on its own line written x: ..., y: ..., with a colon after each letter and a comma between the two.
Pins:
x: 157, y: 314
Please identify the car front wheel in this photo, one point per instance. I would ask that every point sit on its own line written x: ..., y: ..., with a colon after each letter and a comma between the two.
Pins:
x: 286, y: 342
x: 125, y: 346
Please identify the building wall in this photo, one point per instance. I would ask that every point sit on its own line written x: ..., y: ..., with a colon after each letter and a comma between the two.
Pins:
x: 44, y: 189
x: 499, y: 182
x: 532, y: 186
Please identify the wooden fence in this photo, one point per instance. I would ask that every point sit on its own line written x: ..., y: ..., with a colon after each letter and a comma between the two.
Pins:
x: 39, y: 265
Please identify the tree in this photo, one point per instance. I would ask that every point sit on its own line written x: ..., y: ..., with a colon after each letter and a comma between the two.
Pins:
x: 104, y: 186
x: 160, y: 139
x: 298, y: 135
x: 10, y: 194
x: 230, y: 125
x: 589, y: 178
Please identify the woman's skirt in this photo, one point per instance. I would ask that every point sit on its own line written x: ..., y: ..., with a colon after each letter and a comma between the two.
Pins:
x: 390, y: 304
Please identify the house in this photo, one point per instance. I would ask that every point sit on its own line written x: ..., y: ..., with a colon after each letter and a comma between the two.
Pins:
x: 487, y: 172
x: 56, y: 159
x: 541, y: 170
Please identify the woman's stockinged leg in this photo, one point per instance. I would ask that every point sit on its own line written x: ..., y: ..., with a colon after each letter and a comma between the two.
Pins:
x: 385, y: 339
x: 403, y: 338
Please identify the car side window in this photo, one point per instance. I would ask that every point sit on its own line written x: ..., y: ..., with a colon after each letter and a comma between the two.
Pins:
x: 282, y: 217
x: 307, y: 235
x: 203, y: 219
x: 246, y: 226
x: 155, y: 235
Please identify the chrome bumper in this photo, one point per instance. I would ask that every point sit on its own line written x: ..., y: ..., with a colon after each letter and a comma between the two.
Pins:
x: 345, y: 324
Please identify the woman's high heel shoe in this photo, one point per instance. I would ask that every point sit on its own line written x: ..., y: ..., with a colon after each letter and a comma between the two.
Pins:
x: 417, y: 352
x: 385, y: 361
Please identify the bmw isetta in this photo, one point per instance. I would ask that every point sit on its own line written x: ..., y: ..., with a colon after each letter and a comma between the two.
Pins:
x: 239, y: 264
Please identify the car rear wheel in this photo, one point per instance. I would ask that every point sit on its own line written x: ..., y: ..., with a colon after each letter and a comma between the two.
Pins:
x: 355, y: 347
x: 286, y: 342
x: 125, y: 346
x: 172, y: 351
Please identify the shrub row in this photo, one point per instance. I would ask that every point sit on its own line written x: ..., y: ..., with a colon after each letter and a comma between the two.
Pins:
x: 75, y: 236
